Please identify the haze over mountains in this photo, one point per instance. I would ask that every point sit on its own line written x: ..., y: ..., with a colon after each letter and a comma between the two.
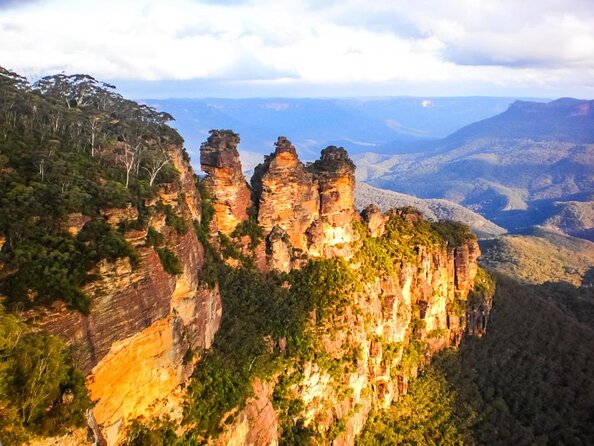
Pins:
x: 360, y: 124
x: 516, y: 168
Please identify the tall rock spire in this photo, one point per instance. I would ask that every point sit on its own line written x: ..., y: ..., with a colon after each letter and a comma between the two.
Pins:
x: 231, y: 196
x: 332, y: 234
x: 287, y: 194
x: 305, y: 210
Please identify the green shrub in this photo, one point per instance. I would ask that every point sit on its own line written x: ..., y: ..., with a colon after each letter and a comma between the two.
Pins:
x: 252, y: 229
x: 170, y: 262
x: 154, y: 432
x: 113, y: 194
x: 454, y: 233
x: 154, y: 238
x: 36, y: 370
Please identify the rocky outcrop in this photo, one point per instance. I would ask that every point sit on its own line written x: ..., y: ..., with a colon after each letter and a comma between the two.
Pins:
x: 225, y: 182
x: 257, y: 424
x: 313, y: 206
x: 145, y: 325
x: 375, y: 220
x: 335, y: 174
x: 287, y: 195
x: 147, y: 328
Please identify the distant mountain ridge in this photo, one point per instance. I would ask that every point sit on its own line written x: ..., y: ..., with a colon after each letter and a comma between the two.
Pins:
x: 565, y: 119
x: 386, y: 125
x: 512, y: 168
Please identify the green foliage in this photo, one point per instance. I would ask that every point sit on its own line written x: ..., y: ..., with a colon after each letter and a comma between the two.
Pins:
x: 540, y: 257
x: 69, y: 145
x: 113, y: 195
x: 425, y: 416
x: 530, y: 379
x: 169, y: 260
x: 453, y: 232
x: 177, y: 222
x: 40, y: 390
x: 324, y: 285
x: 207, y: 211
x: 259, y: 311
x: 154, y: 432
x: 102, y: 242
x: 405, y: 232
x: 168, y: 174
x: 413, y: 356
x: 484, y: 289
x: 250, y: 228
x: 154, y: 238
x: 45, y: 268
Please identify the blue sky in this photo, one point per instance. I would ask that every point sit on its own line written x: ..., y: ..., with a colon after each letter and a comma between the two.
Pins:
x: 243, y: 48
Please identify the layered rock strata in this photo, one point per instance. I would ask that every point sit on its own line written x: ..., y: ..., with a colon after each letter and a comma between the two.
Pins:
x: 305, y: 210
x: 145, y: 325
x: 332, y: 233
x: 231, y: 196
x: 287, y: 195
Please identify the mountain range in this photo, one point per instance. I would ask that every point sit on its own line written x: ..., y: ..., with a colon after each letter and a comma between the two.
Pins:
x: 517, y: 163
x: 144, y: 305
x: 532, y: 164
x: 383, y: 125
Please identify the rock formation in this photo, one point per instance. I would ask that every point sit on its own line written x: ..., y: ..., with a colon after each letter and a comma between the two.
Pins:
x: 385, y: 323
x: 144, y: 323
x: 333, y: 232
x: 287, y: 195
x: 311, y: 207
x: 225, y: 182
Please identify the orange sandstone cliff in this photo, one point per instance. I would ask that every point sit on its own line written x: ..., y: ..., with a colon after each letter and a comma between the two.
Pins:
x: 145, y: 325
x: 147, y: 328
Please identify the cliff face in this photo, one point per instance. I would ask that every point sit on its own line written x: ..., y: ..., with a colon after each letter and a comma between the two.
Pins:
x: 225, y: 182
x: 392, y: 323
x: 335, y: 174
x: 287, y: 195
x: 144, y: 325
x: 391, y: 326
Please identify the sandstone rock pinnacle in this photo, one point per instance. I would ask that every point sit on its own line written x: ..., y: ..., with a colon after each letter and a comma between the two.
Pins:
x: 225, y: 181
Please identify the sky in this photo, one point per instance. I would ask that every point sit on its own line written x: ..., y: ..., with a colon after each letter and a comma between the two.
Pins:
x: 250, y: 48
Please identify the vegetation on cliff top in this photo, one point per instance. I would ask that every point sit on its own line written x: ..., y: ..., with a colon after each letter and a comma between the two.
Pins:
x: 529, y: 380
x: 273, y: 323
x: 70, y: 145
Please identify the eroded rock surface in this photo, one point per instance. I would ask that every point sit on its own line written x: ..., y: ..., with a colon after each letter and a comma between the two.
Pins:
x: 313, y: 206
x: 225, y: 182
x: 135, y: 343
x: 287, y: 194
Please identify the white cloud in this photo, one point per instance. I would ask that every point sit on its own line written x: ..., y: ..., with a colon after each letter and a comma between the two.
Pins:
x: 500, y: 42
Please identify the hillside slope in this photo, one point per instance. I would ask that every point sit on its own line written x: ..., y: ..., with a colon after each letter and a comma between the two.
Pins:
x: 529, y: 379
x: 503, y: 167
x: 540, y: 257
x: 433, y: 209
